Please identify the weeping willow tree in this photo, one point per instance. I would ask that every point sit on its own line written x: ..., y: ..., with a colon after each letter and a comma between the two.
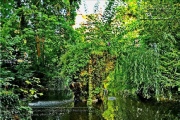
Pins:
x: 148, y: 60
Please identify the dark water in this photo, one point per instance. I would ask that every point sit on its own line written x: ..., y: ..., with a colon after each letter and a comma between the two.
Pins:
x: 59, y: 105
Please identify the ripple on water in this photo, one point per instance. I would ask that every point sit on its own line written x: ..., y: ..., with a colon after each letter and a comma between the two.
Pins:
x: 48, y: 103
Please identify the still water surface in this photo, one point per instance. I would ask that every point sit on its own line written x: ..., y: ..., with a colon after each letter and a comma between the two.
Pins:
x: 59, y: 105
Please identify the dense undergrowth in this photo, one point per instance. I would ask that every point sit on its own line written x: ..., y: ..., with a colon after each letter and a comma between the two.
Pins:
x: 34, y: 35
x: 134, y: 47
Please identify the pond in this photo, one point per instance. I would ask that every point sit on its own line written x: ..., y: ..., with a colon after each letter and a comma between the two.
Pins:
x: 59, y: 105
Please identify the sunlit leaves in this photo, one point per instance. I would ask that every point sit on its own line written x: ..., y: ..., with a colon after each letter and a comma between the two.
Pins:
x: 66, y: 2
x: 147, y: 66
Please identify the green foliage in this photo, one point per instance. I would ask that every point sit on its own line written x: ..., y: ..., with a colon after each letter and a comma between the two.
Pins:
x: 148, y: 63
x: 130, y: 50
x: 9, y: 99
x: 146, y: 51
x: 97, y: 90
x: 34, y: 35
x: 75, y: 59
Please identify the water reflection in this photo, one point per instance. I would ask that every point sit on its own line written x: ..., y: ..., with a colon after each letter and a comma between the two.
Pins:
x: 80, y: 112
x: 128, y: 109
x: 60, y: 107
x: 56, y: 106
